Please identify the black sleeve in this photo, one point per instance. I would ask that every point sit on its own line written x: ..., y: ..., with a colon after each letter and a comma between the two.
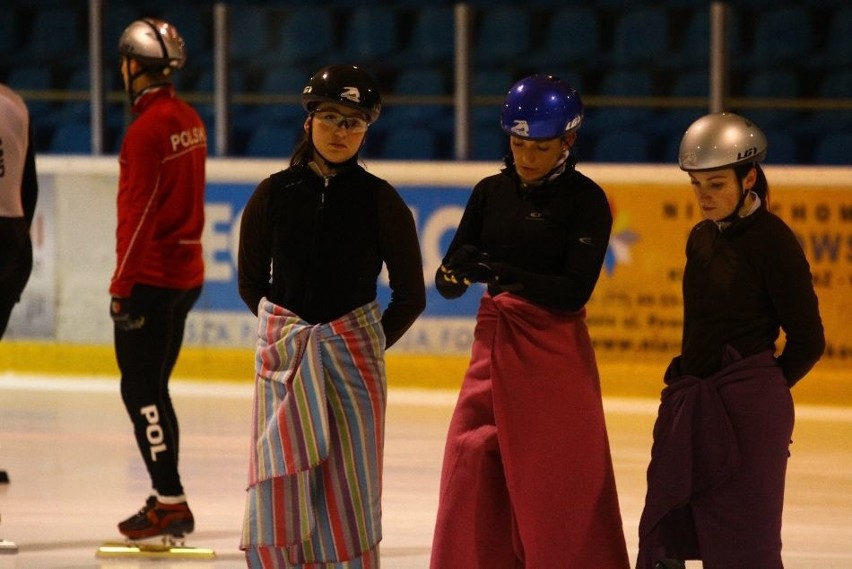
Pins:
x: 790, y: 283
x: 29, y: 184
x: 255, y: 249
x: 400, y: 250
x: 468, y: 232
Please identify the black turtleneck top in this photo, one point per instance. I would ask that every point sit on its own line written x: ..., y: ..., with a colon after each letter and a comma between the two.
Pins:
x: 741, y: 286
x: 315, y: 245
x: 547, y: 242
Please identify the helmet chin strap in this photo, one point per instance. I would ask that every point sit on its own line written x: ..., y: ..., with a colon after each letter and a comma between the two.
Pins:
x: 131, y: 78
x: 734, y: 215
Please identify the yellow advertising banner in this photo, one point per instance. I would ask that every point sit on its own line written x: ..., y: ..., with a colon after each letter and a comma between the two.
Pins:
x: 635, y: 313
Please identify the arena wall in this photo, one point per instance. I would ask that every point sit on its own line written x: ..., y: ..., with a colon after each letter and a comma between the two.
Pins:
x: 62, y: 323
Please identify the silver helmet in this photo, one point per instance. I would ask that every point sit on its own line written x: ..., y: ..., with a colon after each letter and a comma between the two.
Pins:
x: 154, y: 43
x: 721, y: 140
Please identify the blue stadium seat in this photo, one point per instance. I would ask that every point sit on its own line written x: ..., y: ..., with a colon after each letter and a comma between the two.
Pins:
x: 626, y: 146
x: 432, y: 37
x: 422, y: 81
x: 689, y: 84
x: 9, y: 31
x: 489, y: 82
x: 73, y: 137
x: 781, y: 35
x: 488, y: 142
x: 33, y: 78
x: 410, y: 143
x: 281, y: 81
x: 641, y: 36
x: 71, y: 111
x: 503, y: 33
x: 370, y: 34
x: 303, y: 36
x: 57, y: 36
x: 272, y: 140
x: 284, y: 81
x: 837, y: 85
x: 555, y: 4
x: 629, y: 83
x: 569, y: 75
x: 772, y: 84
x: 782, y: 147
x: 834, y: 149
x: 836, y: 52
x: 249, y: 39
x: 205, y: 81
x: 692, y: 51
x: 572, y: 36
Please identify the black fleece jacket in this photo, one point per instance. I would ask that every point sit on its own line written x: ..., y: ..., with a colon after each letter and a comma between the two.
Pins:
x: 741, y: 286
x: 315, y: 245
x: 547, y: 243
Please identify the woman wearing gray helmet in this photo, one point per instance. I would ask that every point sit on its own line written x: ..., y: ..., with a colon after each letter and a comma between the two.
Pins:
x: 313, y: 240
x: 527, y: 477
x: 722, y: 435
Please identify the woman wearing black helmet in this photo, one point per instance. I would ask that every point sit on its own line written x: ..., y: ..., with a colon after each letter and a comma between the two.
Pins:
x: 721, y: 440
x: 527, y: 478
x: 313, y: 239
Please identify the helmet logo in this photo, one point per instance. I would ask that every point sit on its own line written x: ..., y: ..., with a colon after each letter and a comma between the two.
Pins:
x: 748, y: 152
x: 574, y: 123
x: 351, y: 94
x: 307, y: 89
x: 521, y: 127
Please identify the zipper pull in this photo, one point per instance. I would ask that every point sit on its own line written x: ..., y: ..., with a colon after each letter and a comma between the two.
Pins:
x: 326, y: 180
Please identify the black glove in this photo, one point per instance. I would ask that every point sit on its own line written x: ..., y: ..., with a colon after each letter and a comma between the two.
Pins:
x: 465, y: 266
x: 122, y: 313
x: 474, y: 273
x: 465, y: 255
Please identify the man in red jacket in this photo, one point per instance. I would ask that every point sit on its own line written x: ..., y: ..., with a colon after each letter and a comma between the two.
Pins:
x: 159, y: 268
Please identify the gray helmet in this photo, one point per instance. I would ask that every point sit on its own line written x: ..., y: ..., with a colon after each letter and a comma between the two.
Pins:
x: 154, y: 43
x: 721, y: 140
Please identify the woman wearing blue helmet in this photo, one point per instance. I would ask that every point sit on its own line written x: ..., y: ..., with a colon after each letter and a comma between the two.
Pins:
x: 527, y: 477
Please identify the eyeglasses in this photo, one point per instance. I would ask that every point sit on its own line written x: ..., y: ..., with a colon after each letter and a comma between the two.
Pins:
x: 335, y: 120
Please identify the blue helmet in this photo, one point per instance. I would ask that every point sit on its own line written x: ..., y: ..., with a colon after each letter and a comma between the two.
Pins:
x: 540, y: 107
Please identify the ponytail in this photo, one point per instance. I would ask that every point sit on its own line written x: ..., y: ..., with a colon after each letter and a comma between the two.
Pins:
x: 761, y: 185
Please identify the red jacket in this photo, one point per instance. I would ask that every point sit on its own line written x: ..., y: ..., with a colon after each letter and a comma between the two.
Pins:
x: 161, y: 196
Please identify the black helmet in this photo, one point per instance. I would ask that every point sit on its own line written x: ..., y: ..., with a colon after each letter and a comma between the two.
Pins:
x: 347, y: 85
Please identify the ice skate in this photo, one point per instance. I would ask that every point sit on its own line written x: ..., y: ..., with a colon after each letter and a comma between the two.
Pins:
x: 8, y: 546
x: 169, y: 523
x: 156, y: 519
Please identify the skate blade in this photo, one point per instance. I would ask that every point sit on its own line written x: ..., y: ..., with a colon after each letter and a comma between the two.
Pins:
x: 153, y: 551
x: 7, y: 547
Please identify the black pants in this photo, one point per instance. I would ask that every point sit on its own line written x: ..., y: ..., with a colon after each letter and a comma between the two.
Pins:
x: 16, y: 264
x: 146, y: 357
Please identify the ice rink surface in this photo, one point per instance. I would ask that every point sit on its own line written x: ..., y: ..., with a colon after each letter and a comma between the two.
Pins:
x: 67, y: 446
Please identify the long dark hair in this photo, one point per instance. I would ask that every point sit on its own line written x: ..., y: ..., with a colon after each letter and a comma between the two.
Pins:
x: 303, y: 151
